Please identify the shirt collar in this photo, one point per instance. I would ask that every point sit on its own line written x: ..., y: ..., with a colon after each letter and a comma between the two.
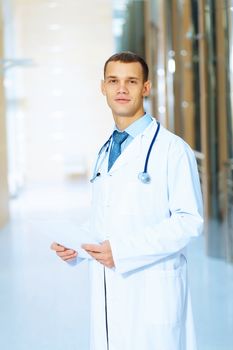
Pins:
x: 139, y: 125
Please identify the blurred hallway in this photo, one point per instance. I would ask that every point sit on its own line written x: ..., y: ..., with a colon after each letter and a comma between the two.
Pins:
x: 44, y: 302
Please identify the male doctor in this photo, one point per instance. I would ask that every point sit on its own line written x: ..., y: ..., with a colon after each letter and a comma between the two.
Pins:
x: 139, y: 291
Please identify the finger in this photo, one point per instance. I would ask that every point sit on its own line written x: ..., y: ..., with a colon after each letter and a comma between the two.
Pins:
x: 108, y: 264
x: 66, y: 252
x: 92, y: 248
x: 67, y: 257
x: 71, y: 257
x: 105, y: 243
x: 97, y: 256
x: 102, y: 259
x: 57, y: 247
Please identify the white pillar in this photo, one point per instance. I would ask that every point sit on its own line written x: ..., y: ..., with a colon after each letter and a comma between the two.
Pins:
x: 66, y: 116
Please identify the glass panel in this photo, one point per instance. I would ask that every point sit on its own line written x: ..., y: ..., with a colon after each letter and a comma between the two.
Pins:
x: 229, y: 19
x: 229, y: 162
x: 129, y: 19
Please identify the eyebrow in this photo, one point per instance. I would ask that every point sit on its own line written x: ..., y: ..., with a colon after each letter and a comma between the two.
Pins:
x: 115, y: 77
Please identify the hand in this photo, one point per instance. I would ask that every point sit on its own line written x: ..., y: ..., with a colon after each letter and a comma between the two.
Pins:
x: 101, y: 252
x: 64, y: 253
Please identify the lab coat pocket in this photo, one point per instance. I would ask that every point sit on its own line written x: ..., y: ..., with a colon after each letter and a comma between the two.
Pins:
x: 165, y: 296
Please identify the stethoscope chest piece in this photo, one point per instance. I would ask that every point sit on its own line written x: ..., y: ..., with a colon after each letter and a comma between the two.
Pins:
x: 144, y: 177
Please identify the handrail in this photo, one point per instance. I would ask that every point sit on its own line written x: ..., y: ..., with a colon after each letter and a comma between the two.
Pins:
x: 8, y: 63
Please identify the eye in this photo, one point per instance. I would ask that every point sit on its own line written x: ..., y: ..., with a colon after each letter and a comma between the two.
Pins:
x: 133, y: 81
x: 112, y: 81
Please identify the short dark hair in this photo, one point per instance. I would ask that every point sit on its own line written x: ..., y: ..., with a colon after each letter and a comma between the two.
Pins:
x: 129, y: 57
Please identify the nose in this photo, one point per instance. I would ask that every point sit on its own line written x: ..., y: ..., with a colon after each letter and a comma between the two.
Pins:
x: 122, y: 88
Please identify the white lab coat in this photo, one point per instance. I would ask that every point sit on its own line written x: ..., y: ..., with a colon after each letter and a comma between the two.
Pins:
x: 144, y: 302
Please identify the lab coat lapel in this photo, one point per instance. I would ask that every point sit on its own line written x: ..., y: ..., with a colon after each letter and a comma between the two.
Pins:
x: 131, y: 152
x: 134, y: 148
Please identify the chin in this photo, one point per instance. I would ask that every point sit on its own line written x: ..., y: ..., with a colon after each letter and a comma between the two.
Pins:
x: 122, y: 113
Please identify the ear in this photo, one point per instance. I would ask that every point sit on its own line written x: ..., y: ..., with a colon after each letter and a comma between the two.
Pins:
x: 103, y: 87
x: 147, y: 88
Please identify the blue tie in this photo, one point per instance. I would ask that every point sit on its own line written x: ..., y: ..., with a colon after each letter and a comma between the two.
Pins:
x: 118, y: 138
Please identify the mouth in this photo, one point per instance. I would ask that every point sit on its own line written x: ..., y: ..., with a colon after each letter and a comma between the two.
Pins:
x: 122, y: 100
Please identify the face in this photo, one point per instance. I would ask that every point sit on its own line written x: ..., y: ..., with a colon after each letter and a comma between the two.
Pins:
x: 124, y: 89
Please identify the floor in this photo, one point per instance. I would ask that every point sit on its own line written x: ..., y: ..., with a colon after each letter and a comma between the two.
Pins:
x: 44, y: 302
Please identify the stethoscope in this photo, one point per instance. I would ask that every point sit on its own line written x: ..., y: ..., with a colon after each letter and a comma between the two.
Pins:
x: 143, y: 176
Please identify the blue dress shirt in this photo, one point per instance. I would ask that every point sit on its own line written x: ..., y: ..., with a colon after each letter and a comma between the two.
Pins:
x: 135, y: 129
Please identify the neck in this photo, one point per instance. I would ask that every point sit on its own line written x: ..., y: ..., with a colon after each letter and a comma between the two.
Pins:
x: 122, y: 122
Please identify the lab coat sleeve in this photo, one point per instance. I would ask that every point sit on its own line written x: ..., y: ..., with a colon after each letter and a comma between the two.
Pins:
x: 184, y: 222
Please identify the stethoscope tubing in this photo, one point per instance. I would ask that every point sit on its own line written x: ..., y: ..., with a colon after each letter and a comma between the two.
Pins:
x: 144, y: 176
x: 150, y: 148
x: 98, y: 161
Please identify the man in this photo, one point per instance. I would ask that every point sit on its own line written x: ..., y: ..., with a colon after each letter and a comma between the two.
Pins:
x: 139, y: 292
